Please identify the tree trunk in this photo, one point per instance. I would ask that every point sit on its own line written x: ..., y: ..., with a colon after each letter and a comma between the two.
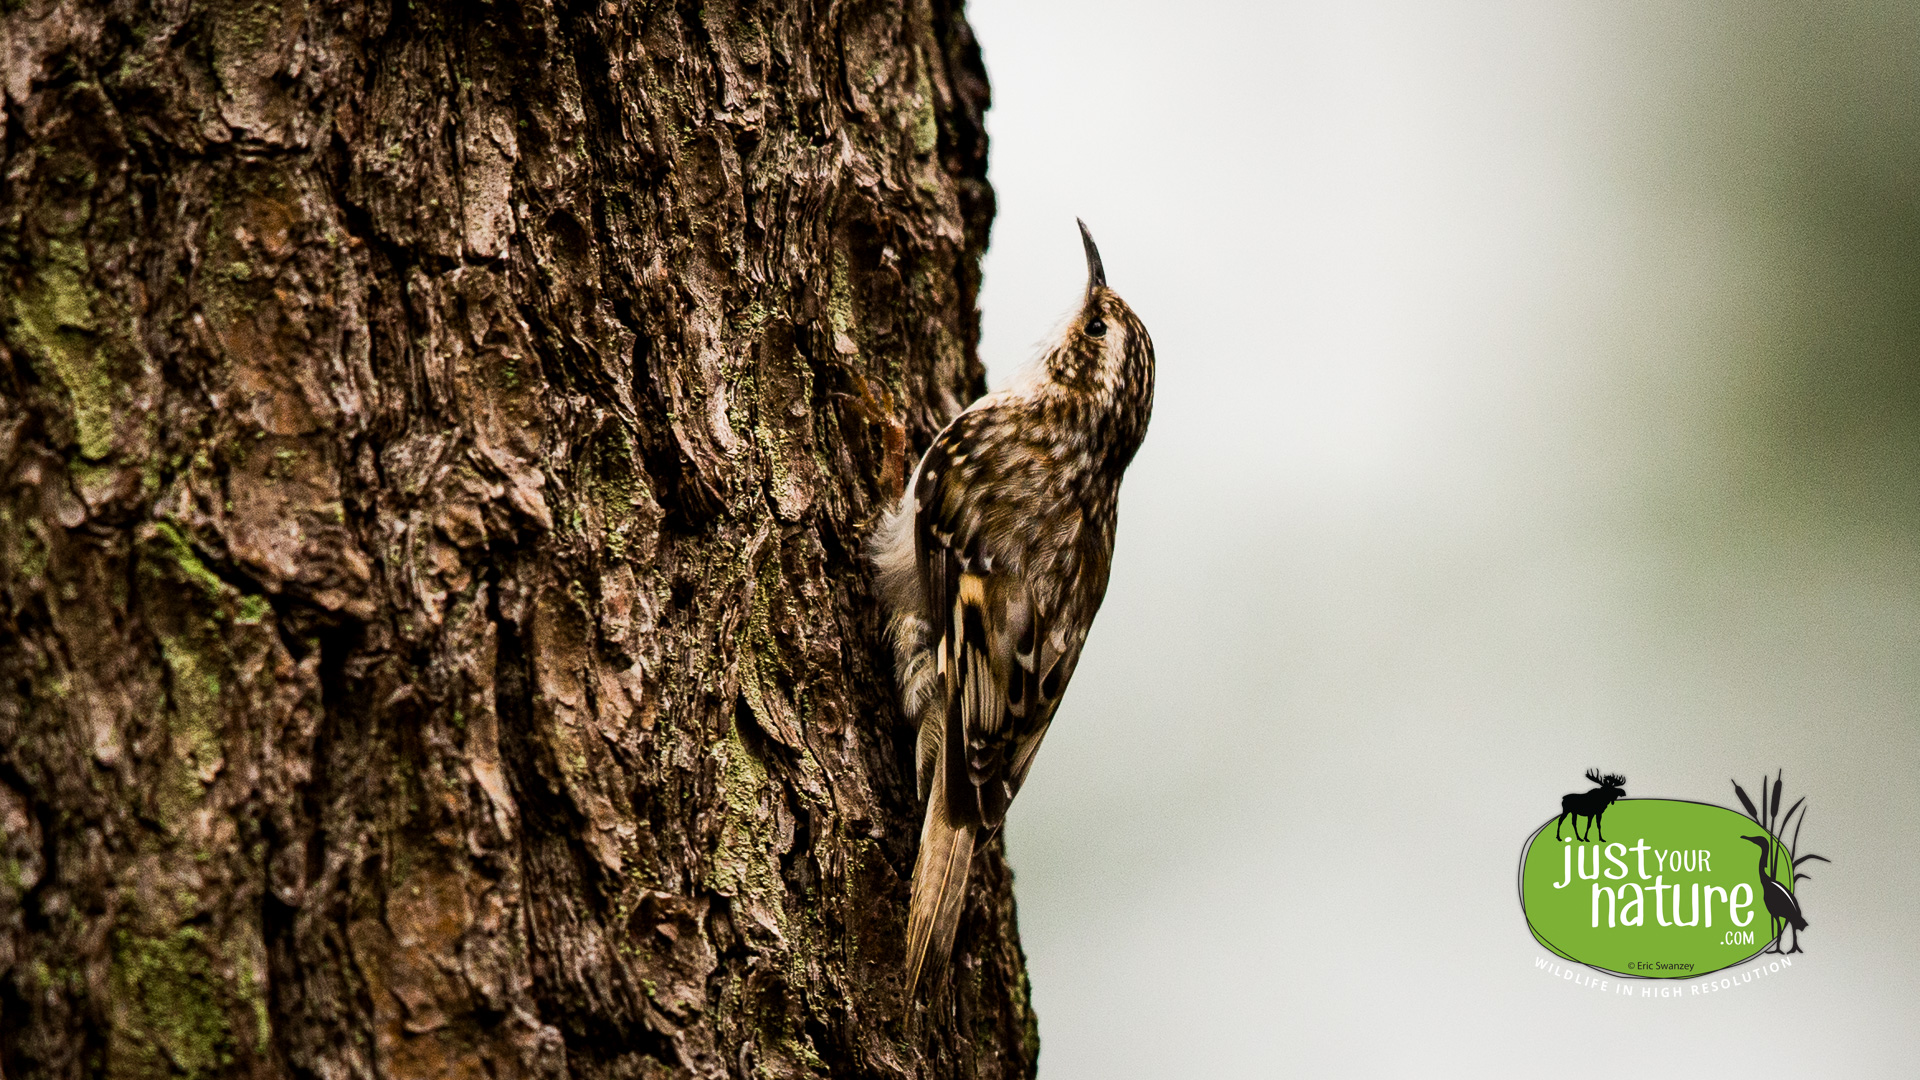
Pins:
x: 437, y: 444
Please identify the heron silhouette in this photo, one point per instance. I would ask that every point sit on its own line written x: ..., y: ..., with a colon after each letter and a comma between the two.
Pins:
x: 1780, y: 902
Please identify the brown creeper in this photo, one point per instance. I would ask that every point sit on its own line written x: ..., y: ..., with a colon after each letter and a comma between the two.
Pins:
x: 992, y: 568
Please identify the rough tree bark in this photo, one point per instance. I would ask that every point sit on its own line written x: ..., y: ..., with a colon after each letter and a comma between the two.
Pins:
x: 435, y: 449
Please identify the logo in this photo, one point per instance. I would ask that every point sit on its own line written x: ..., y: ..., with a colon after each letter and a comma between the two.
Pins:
x: 1683, y: 888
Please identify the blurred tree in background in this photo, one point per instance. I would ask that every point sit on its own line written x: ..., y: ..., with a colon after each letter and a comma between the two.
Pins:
x: 1802, y: 127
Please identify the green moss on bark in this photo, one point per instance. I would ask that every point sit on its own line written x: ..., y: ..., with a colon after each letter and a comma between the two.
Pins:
x: 170, y: 1014
x: 54, y: 317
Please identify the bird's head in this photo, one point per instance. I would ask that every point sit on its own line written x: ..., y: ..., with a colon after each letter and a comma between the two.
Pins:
x: 1103, y: 348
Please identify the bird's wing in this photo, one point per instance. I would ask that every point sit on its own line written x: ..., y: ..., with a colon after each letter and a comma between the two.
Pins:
x: 1050, y: 649
x: 1004, y: 650
x: 942, y: 533
x: 995, y: 649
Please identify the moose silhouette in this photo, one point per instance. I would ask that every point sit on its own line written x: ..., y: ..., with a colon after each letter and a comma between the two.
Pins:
x: 1590, y: 804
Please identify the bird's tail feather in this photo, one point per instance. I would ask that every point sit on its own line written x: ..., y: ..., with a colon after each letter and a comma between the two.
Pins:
x: 939, y: 888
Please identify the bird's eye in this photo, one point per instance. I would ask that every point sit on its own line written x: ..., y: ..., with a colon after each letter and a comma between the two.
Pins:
x: 1097, y: 328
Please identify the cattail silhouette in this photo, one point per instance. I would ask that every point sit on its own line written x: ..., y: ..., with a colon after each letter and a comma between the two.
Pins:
x: 1781, y: 902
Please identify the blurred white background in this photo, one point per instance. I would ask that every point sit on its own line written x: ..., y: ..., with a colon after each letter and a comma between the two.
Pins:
x: 1539, y: 390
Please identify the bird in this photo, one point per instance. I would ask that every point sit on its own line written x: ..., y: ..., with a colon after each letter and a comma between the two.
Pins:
x: 1780, y: 903
x: 991, y: 567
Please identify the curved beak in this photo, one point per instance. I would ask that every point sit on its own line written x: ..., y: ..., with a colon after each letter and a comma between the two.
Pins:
x: 1096, y: 273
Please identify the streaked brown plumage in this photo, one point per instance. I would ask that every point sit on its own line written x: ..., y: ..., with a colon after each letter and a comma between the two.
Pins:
x: 992, y: 568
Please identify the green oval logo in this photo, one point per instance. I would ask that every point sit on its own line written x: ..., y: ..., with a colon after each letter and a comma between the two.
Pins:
x: 1674, y: 890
